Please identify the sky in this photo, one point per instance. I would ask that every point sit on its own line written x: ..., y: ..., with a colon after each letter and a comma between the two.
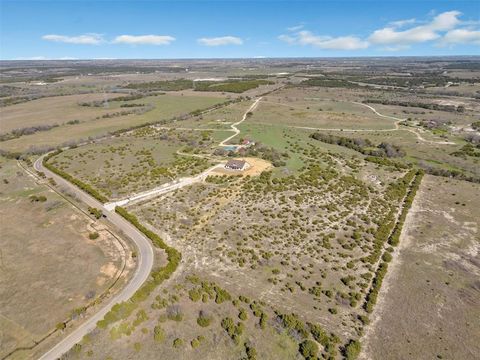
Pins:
x: 110, y: 29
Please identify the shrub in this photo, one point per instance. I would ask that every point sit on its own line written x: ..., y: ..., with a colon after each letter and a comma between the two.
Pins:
x: 242, y: 315
x: 195, y: 343
x: 352, y: 350
x: 195, y: 295
x: 177, y: 343
x: 97, y: 213
x: 203, y: 319
x: 41, y: 198
x: 93, y: 235
x: 387, y: 257
x: 221, y: 295
x: 158, y: 334
x: 309, y: 349
x: 174, y: 312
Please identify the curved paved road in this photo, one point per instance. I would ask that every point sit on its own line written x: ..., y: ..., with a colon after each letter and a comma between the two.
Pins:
x: 144, y: 258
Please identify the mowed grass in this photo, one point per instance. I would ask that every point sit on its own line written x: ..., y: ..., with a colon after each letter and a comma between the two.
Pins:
x: 48, y: 264
x: 166, y: 107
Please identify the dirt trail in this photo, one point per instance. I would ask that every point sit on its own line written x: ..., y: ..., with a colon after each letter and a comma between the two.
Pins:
x: 234, y: 125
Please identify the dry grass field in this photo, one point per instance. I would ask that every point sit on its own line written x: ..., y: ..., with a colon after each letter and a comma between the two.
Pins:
x: 434, y: 282
x: 53, y: 110
x: 49, y: 265
x: 160, y: 108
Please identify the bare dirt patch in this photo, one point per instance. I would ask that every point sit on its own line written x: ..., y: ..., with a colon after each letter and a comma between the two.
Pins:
x: 256, y: 167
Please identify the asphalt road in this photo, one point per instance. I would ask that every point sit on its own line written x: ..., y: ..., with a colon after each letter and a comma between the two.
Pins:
x: 144, y: 265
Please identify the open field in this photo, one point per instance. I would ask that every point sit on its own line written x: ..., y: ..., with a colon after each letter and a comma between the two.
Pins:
x: 54, y: 110
x: 50, y: 266
x: 160, y: 108
x: 434, y: 282
x: 320, y: 113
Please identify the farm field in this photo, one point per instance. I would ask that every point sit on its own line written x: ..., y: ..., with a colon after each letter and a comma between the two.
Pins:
x: 53, y: 110
x: 54, y: 261
x: 160, y: 108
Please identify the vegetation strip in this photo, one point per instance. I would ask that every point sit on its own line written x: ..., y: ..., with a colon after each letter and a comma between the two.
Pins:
x: 393, y: 240
x: 124, y: 309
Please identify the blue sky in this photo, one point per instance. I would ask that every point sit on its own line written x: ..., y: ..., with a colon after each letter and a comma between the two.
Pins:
x: 231, y: 29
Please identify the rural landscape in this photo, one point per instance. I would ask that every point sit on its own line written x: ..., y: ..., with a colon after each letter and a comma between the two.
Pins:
x: 246, y: 208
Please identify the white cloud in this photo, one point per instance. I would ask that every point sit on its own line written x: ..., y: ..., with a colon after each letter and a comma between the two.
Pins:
x: 144, y: 39
x: 325, y: 42
x: 295, y: 28
x: 85, y: 39
x: 461, y: 36
x: 288, y: 39
x: 220, y: 41
x: 418, y: 34
x: 402, y: 23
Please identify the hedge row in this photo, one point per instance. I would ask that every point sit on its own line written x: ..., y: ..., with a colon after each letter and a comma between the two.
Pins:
x: 396, y: 192
x: 124, y: 309
x: 371, y: 298
x: 395, y: 237
x: 85, y: 187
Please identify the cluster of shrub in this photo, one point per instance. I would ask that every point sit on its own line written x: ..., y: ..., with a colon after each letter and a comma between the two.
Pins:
x: 16, y: 133
x: 329, y: 82
x: 468, y: 150
x: 387, y: 162
x: 163, y: 85
x: 448, y: 173
x: 234, y: 86
x: 428, y: 106
x: 363, y: 146
x: 39, y: 198
x: 308, y: 348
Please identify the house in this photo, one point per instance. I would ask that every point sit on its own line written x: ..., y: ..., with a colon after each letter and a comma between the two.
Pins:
x: 236, y: 165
